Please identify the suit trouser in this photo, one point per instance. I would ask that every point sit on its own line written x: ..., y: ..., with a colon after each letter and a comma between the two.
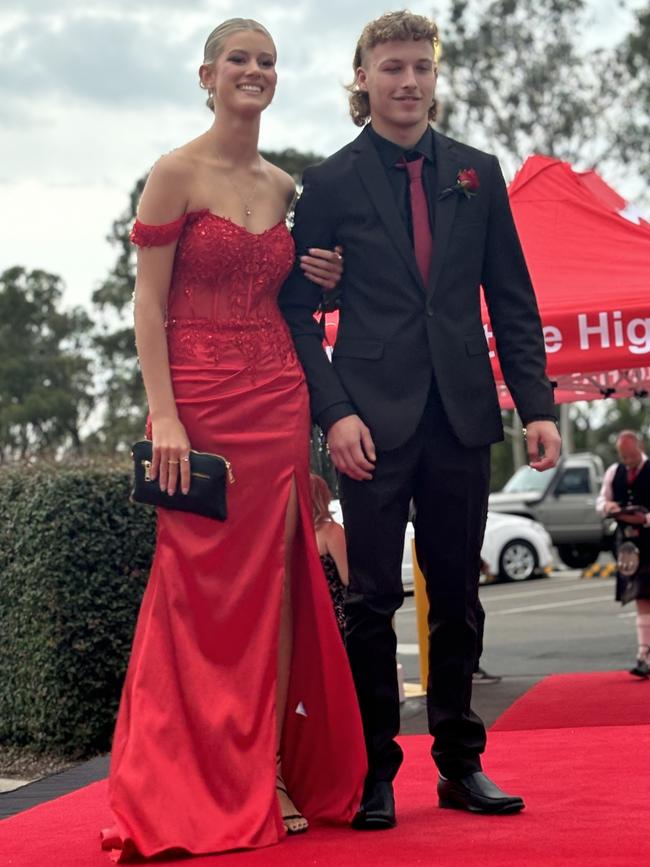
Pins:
x: 449, y: 484
x: 480, y: 629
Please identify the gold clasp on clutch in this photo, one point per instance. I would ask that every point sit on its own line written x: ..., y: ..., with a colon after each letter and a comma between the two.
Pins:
x: 147, y: 470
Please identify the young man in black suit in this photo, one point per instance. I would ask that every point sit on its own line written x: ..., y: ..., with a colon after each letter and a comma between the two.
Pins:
x: 409, y: 402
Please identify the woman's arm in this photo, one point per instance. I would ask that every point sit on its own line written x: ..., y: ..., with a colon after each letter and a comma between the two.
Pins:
x: 335, y: 540
x: 164, y: 200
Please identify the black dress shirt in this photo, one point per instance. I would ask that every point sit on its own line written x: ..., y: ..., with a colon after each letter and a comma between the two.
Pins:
x: 390, y: 154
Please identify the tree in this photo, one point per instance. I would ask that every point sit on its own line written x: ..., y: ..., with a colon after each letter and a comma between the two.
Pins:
x: 121, y: 390
x: 517, y: 75
x: 291, y: 161
x: 45, y: 369
x: 615, y: 416
x: 632, y: 77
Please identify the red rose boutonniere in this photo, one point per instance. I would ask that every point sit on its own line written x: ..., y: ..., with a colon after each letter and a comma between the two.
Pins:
x: 467, y: 184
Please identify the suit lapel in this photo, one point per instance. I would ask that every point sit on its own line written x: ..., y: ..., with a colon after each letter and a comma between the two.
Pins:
x: 373, y: 177
x: 448, y: 166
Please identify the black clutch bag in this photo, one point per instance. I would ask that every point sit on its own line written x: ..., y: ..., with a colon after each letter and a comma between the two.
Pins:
x: 209, y: 477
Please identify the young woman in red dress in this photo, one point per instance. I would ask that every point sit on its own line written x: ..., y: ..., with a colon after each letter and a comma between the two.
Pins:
x: 238, y: 721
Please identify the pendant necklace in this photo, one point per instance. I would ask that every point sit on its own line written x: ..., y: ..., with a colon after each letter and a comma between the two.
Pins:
x: 246, y: 200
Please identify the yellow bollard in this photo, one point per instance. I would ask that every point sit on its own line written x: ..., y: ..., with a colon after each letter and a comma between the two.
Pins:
x: 421, y: 615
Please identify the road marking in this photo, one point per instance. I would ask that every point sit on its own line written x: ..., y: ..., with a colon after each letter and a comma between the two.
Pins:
x: 548, y: 605
x: 545, y: 592
x: 525, y: 594
x: 628, y: 614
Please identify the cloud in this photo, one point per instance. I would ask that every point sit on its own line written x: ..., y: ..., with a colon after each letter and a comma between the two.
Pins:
x: 115, y: 58
x: 126, y: 55
x: 35, y: 8
x: 105, y: 61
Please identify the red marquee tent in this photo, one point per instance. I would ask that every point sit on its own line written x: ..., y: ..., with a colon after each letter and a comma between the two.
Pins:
x: 589, y: 258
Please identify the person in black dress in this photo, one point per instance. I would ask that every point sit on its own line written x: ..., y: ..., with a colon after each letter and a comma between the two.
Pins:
x: 330, y: 538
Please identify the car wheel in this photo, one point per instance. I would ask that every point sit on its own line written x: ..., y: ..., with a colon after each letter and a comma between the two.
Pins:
x: 518, y: 561
x: 578, y: 556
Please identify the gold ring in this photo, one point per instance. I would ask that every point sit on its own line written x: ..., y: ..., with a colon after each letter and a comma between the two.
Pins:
x: 173, y: 462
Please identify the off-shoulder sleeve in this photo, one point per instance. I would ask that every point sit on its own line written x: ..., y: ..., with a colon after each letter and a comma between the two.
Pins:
x: 144, y: 235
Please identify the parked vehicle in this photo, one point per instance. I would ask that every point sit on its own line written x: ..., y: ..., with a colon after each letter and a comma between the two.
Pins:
x: 563, y: 499
x: 514, y: 548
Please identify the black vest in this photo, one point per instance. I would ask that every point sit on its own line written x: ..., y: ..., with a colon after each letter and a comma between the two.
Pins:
x: 638, y: 492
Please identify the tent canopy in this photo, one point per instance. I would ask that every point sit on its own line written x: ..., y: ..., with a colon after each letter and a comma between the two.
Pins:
x: 589, y: 258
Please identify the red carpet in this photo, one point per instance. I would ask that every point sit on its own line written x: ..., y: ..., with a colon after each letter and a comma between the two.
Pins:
x: 611, y: 698
x: 587, y: 792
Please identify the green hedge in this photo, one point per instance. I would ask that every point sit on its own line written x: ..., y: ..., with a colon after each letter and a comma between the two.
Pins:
x: 74, y: 560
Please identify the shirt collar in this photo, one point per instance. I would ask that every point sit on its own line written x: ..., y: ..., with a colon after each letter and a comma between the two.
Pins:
x: 390, y: 153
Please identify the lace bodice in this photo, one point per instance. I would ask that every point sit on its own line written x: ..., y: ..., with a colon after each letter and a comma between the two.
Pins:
x: 224, y: 287
x: 222, y: 272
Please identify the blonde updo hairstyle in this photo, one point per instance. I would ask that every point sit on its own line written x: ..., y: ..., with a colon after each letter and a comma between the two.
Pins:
x: 401, y: 26
x: 216, y: 42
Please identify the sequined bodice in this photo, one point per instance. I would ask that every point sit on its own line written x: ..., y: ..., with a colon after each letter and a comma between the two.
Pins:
x: 224, y: 287
x: 224, y: 272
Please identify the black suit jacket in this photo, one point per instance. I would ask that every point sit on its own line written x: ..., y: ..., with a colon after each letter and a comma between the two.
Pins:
x: 395, y: 332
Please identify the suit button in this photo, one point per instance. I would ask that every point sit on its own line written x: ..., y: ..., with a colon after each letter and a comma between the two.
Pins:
x: 429, y: 311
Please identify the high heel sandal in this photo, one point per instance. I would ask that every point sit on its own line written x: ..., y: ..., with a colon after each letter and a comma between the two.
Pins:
x: 294, y: 823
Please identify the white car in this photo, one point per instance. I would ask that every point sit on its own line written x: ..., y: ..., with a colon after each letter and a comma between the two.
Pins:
x: 514, y: 548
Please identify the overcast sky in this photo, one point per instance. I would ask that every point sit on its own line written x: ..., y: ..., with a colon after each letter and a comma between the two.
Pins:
x: 91, y: 93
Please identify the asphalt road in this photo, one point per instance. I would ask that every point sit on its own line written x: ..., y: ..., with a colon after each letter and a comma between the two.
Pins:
x: 563, y: 623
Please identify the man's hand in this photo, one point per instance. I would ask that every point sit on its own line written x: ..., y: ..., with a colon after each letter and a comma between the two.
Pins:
x: 351, y: 448
x: 611, y: 507
x: 543, y: 436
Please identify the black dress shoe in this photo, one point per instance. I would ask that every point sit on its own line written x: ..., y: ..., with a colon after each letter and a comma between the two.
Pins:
x: 480, y: 675
x: 641, y: 669
x: 478, y: 794
x: 377, y: 810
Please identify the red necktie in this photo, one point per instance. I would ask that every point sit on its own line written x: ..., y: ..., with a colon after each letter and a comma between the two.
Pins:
x: 632, y: 473
x: 422, y: 240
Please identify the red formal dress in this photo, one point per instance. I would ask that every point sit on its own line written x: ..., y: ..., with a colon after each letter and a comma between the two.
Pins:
x: 193, y: 762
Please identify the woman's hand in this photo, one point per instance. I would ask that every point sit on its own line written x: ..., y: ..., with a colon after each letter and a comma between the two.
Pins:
x: 171, y: 454
x: 324, y: 267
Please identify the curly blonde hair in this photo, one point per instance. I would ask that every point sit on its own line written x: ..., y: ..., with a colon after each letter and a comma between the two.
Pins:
x: 216, y: 42
x: 401, y: 26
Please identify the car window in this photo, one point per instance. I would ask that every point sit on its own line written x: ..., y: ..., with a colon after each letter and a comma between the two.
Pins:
x: 526, y: 479
x: 574, y: 481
